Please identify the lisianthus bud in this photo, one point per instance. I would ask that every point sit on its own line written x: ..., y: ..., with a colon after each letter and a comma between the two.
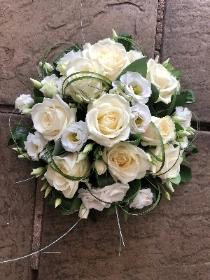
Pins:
x: 83, y: 212
x: 36, y: 83
x: 100, y: 166
x: 38, y: 171
x: 58, y: 202
x: 47, y: 67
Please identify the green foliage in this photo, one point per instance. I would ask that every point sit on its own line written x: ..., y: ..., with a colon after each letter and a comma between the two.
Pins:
x: 176, y: 73
x: 135, y: 139
x: 104, y: 179
x: 135, y: 186
x: 185, y: 173
x: 155, y: 94
x: 38, y: 96
x: 126, y: 40
x: 139, y: 66
x: 58, y: 148
x: 185, y: 97
x: 18, y: 136
x: 176, y: 180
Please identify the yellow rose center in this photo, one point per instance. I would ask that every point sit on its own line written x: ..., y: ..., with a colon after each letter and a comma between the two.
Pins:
x: 108, y: 122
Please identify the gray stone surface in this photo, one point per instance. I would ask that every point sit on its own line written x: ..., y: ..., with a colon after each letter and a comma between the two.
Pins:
x: 16, y: 208
x: 172, y: 243
x: 187, y: 42
x: 28, y: 28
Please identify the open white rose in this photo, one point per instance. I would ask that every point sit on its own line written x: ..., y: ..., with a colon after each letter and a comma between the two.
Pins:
x: 136, y: 86
x: 143, y: 198
x: 23, y: 103
x: 173, y: 159
x: 110, y: 55
x: 68, y: 165
x: 96, y: 198
x: 108, y: 120
x: 166, y: 128
x: 183, y: 116
x: 74, y: 136
x: 140, y: 118
x: 167, y: 84
x: 67, y: 61
x: 34, y: 145
x: 134, y: 55
x: 126, y: 162
x: 51, y: 117
x: 84, y: 89
x: 50, y: 85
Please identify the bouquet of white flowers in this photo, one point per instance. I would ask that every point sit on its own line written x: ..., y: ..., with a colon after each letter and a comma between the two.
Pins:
x: 110, y: 129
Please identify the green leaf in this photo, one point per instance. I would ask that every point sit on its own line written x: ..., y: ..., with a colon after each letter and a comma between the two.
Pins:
x: 104, y: 180
x: 38, y: 96
x: 58, y: 148
x: 126, y: 40
x: 155, y: 94
x: 176, y: 180
x: 178, y: 127
x: 70, y: 206
x: 185, y: 173
x: 135, y: 186
x: 176, y: 73
x: 19, y: 135
x: 185, y: 97
x: 139, y: 66
x: 135, y: 139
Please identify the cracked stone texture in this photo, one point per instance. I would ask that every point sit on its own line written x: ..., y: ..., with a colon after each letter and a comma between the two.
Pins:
x: 172, y: 243
x: 16, y: 208
x: 187, y: 42
x: 29, y: 28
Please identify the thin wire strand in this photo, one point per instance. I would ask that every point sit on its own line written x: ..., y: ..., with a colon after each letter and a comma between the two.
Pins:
x: 120, y: 231
x: 81, y: 21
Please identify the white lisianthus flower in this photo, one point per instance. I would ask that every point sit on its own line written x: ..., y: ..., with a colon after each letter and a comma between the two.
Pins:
x: 74, y: 136
x: 108, y: 120
x: 68, y: 165
x: 23, y: 103
x: 167, y: 84
x: 134, y: 55
x: 50, y: 86
x: 136, y: 86
x: 173, y: 159
x: 126, y: 162
x: 110, y: 55
x: 100, y: 166
x: 166, y: 128
x: 97, y: 198
x: 143, y: 198
x: 140, y: 118
x: 34, y: 145
x: 84, y: 89
x: 51, y: 117
x: 183, y: 116
x: 67, y: 61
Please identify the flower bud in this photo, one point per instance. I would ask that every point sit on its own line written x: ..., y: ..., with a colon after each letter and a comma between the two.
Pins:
x: 169, y: 186
x: 36, y: 83
x: 58, y: 202
x: 47, y: 191
x: 47, y: 67
x: 83, y: 212
x: 38, y: 171
x: 100, y: 166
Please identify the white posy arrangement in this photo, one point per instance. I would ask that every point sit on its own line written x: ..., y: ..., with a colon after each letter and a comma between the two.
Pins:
x: 110, y: 129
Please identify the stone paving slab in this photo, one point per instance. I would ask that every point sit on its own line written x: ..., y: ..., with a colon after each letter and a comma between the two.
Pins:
x: 16, y: 208
x: 28, y: 28
x: 187, y: 42
x: 172, y: 243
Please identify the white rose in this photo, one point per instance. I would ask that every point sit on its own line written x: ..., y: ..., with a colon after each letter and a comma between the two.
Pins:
x: 183, y: 116
x: 166, y: 128
x: 143, y: 198
x: 100, y: 166
x: 97, y: 198
x: 173, y: 159
x: 136, y: 86
x: 66, y: 61
x: 68, y: 165
x: 134, y: 55
x: 51, y: 117
x: 163, y: 80
x: 126, y: 162
x: 74, y: 136
x: 23, y: 103
x: 108, y: 120
x: 50, y: 85
x: 84, y: 89
x: 34, y: 145
x: 140, y: 118
x: 110, y: 55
